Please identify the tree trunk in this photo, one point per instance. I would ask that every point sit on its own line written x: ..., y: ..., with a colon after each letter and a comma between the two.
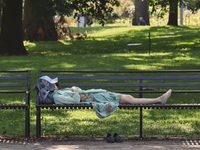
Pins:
x: 173, y: 13
x: 0, y: 11
x: 141, y: 10
x: 38, y: 26
x: 11, y: 42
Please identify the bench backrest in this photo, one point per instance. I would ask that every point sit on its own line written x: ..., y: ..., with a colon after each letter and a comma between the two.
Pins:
x: 17, y: 81
x: 134, y: 81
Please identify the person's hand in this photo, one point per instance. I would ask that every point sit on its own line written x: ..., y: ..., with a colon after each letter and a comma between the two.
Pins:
x: 56, y: 88
x: 74, y: 88
x: 83, y: 97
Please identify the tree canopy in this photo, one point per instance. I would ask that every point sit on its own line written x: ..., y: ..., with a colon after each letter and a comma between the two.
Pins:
x: 97, y: 8
x: 193, y: 5
x: 39, y: 14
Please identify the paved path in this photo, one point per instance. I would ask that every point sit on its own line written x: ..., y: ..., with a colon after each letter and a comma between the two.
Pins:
x: 63, y: 144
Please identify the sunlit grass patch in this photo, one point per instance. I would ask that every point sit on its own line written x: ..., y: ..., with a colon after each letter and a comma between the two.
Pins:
x: 171, y: 122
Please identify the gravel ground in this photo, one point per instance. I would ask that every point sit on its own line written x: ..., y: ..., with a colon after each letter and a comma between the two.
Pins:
x: 62, y: 143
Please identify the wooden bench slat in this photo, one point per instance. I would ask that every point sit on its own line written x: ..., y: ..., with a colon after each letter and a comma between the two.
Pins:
x: 13, y: 91
x: 128, y: 84
x: 11, y: 106
x: 121, y: 71
x: 122, y: 106
x: 13, y: 84
x: 156, y: 91
x: 13, y: 71
x: 125, y: 77
x: 13, y: 78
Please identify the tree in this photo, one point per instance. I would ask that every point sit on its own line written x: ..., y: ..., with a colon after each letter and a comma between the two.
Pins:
x: 0, y: 11
x: 173, y: 12
x: 192, y: 5
x: 141, y: 10
x: 39, y: 14
x: 173, y: 5
x: 11, y: 42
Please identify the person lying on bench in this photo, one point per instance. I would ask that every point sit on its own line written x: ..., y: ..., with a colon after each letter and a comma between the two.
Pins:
x: 104, y: 102
x: 98, y: 95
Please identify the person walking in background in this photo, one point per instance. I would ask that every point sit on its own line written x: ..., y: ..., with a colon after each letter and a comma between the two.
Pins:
x: 89, y: 22
x: 142, y: 22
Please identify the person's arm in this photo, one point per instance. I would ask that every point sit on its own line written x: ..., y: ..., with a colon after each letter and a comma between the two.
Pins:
x: 62, y: 97
x: 83, y: 97
x: 56, y: 88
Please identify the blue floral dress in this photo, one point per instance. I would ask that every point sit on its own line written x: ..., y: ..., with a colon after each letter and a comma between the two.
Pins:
x: 104, y: 102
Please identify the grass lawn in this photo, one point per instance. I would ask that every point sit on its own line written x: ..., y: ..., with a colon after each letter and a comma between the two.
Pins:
x: 106, y: 49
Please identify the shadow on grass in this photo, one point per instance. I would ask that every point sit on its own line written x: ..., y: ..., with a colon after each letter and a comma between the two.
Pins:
x: 164, y: 38
x: 89, y: 124
x: 109, y: 53
x: 127, y: 122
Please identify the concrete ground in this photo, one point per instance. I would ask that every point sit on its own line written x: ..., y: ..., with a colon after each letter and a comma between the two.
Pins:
x: 98, y: 144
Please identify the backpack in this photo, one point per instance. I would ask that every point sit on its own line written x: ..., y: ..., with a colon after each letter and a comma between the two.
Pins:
x: 44, y: 96
x: 45, y: 87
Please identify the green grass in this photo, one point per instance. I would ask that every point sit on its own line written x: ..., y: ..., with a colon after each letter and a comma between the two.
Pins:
x: 106, y: 49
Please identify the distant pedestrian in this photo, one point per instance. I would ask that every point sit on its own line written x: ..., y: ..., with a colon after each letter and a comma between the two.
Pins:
x: 142, y: 22
x: 89, y: 22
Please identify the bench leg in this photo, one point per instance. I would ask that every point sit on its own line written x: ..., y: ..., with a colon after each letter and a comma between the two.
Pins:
x: 38, y: 123
x: 141, y: 123
x: 140, y: 96
x: 27, y: 123
x: 29, y: 127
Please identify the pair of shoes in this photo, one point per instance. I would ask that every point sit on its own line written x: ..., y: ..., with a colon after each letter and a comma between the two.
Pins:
x: 117, y: 138
x: 166, y: 96
x: 110, y: 138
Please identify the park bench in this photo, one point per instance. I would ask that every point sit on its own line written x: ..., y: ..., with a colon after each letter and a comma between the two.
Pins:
x: 131, y: 82
x: 15, y: 82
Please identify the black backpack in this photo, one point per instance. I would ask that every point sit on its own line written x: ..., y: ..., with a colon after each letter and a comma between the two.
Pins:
x: 44, y: 96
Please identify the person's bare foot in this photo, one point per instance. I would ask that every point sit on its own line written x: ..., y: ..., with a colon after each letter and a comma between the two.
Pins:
x: 165, y: 97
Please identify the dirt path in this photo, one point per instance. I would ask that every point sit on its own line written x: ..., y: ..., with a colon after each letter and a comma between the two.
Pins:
x: 67, y: 144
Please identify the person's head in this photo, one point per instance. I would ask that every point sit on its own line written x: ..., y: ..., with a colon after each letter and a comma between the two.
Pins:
x: 141, y: 18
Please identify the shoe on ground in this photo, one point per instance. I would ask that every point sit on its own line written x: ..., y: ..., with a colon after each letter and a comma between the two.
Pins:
x: 110, y: 138
x: 117, y: 138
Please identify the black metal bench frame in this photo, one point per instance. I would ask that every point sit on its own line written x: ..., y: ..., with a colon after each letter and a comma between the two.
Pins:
x: 17, y: 84
x: 140, y: 84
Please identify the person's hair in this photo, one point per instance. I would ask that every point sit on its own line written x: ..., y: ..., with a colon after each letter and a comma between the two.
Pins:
x: 140, y: 18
